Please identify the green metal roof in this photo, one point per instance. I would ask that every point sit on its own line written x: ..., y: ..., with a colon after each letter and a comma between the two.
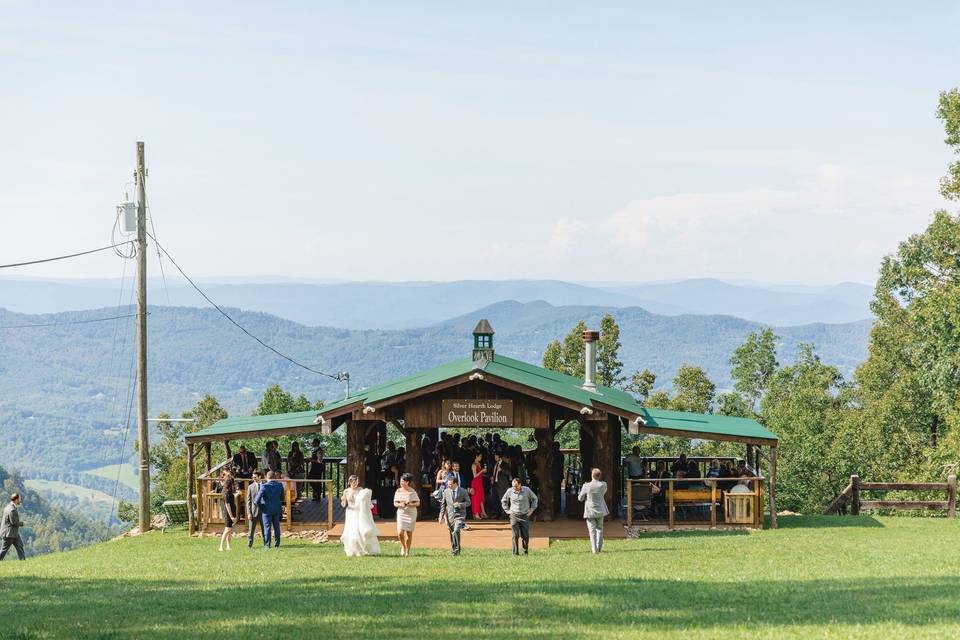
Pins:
x: 516, y: 371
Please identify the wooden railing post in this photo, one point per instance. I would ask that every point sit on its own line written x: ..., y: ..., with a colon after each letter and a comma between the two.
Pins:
x: 191, y: 483
x: 855, y: 495
x: 951, y: 496
x: 629, y: 503
x: 670, y: 505
x: 329, y: 504
x: 713, y: 504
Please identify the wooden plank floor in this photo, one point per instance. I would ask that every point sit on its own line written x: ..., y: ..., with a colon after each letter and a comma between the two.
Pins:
x: 489, y: 534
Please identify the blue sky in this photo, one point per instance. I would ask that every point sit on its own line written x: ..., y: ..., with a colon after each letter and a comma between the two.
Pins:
x: 407, y: 140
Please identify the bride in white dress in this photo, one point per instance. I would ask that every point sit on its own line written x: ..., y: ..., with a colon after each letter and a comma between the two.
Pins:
x: 359, y: 530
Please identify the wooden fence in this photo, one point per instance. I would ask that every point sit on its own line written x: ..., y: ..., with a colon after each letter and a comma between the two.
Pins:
x: 742, y: 509
x: 851, y: 496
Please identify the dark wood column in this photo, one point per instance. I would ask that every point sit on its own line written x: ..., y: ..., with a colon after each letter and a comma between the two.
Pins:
x: 586, y: 449
x: 414, y: 455
x: 191, y: 482
x: 544, y: 459
x: 206, y: 451
x: 606, y: 454
x: 356, y: 456
x: 772, y: 491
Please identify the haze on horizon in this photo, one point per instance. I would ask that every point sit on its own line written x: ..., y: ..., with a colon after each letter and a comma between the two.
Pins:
x: 439, y: 142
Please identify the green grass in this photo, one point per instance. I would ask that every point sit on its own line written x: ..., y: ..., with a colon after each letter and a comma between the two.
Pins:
x: 127, y: 476
x: 65, y: 488
x: 813, y: 578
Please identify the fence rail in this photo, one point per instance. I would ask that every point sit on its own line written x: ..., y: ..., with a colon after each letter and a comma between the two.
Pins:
x: 851, y: 496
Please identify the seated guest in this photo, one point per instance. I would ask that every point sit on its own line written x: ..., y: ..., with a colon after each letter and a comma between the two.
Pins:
x: 726, y: 472
x: 714, y: 470
x: 679, y: 463
x: 743, y: 485
x: 693, y: 471
x: 245, y: 462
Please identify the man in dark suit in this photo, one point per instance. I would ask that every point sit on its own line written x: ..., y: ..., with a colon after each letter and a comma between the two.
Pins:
x: 245, y: 462
x: 455, y: 501
x: 253, y: 509
x: 10, y: 529
x: 270, y: 499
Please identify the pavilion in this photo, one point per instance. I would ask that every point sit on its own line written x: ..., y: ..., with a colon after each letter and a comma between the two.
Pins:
x: 490, y: 390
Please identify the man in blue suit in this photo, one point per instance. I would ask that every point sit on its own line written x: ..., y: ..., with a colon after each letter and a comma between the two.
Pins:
x: 270, y: 499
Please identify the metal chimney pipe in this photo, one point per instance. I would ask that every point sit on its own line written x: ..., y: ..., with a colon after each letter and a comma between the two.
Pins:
x: 590, y: 359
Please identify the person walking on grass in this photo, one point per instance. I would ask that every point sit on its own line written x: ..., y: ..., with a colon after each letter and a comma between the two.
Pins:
x: 270, y: 499
x: 253, y: 509
x: 228, y: 506
x: 592, y: 495
x: 454, y: 505
x: 10, y: 529
x: 519, y: 502
x: 406, y: 500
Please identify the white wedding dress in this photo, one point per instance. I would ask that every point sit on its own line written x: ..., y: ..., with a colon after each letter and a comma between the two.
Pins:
x: 359, y: 530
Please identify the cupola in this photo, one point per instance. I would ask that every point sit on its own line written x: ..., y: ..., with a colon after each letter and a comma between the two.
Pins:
x: 483, y: 341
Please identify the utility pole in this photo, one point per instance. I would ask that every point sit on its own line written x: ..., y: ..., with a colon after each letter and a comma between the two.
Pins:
x: 142, y: 426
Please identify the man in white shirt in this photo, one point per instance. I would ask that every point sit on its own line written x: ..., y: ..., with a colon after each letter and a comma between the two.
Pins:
x: 634, y: 464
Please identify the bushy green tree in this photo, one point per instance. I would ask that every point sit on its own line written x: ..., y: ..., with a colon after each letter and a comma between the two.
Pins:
x: 949, y: 112
x: 693, y: 390
x: 609, y: 366
x: 753, y: 364
x: 641, y: 384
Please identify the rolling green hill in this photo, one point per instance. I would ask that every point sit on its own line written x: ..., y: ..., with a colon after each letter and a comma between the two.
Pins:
x: 64, y: 390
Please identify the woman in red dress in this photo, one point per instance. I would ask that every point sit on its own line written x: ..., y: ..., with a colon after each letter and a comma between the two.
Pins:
x: 477, y: 498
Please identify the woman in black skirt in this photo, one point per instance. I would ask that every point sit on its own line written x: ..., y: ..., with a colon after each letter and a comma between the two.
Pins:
x: 228, y: 508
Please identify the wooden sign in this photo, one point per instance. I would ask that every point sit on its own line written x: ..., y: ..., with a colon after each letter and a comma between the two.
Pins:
x: 477, y: 413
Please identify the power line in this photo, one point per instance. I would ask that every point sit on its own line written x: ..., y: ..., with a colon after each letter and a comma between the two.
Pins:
x: 72, y: 255
x: 60, y: 324
x: 338, y: 377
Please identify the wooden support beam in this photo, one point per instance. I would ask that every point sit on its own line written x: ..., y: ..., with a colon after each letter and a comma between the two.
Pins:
x: 750, y: 460
x: 951, y: 496
x: 544, y: 460
x: 206, y: 451
x: 414, y: 457
x: 191, y: 481
x: 226, y: 445
x: 606, y: 456
x: 855, y: 495
x: 772, y: 479
x: 356, y: 455
x: 586, y: 451
x: 670, y: 504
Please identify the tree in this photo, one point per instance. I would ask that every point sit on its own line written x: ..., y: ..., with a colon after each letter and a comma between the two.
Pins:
x: 754, y: 363
x: 567, y: 356
x: 641, y: 384
x: 734, y: 404
x: 693, y: 390
x: 659, y: 400
x: 275, y: 400
x: 949, y: 112
x: 609, y: 366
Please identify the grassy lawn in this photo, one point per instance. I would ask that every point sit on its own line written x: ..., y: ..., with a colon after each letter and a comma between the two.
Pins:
x: 813, y: 578
x: 127, y: 476
x: 57, y: 486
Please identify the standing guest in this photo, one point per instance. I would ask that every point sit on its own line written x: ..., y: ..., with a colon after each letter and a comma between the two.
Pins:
x: 519, y: 502
x: 445, y: 471
x: 271, y: 457
x: 296, y: 466
x: 500, y: 480
x: 478, y: 495
x: 270, y: 499
x: 680, y: 464
x: 455, y: 503
x: 455, y: 470
x: 316, y: 473
x: 316, y: 447
x: 228, y: 506
x: 389, y: 456
x: 593, y: 496
x: 634, y: 464
x: 253, y: 509
x: 406, y: 500
x: 10, y: 528
x: 245, y: 462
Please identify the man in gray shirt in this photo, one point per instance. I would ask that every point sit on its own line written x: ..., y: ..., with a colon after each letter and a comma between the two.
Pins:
x: 253, y: 509
x: 519, y: 502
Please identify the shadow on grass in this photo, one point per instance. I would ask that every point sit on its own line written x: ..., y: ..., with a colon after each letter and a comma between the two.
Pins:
x: 391, y: 606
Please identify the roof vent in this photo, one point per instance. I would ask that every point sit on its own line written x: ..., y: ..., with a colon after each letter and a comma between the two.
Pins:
x: 483, y: 342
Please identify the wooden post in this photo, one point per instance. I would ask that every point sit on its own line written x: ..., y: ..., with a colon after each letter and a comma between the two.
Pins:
x: 143, y: 427
x: 629, y: 503
x: 356, y: 456
x: 544, y: 457
x: 951, y: 496
x: 587, y: 447
x: 855, y: 495
x: 751, y: 461
x: 670, y: 504
x: 287, y: 492
x: 191, y: 480
x: 713, y: 504
x: 414, y: 457
x: 605, y: 458
x: 206, y: 451
x: 772, y: 479
x: 329, y: 504
x: 226, y: 445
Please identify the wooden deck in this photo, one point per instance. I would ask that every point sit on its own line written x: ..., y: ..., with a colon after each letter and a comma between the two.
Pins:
x: 491, y: 534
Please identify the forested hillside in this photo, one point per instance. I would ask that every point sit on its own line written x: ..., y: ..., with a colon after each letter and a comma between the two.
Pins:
x: 48, y: 528
x: 64, y: 390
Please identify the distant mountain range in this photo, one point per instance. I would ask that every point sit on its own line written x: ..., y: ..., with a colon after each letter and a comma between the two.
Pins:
x: 63, y: 389
x: 404, y: 305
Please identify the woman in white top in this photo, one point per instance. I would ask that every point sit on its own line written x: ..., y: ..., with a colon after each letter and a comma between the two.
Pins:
x: 359, y: 530
x: 406, y: 500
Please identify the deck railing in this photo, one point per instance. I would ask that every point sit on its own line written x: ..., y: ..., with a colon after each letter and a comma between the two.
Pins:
x: 211, y: 500
x: 739, y: 508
